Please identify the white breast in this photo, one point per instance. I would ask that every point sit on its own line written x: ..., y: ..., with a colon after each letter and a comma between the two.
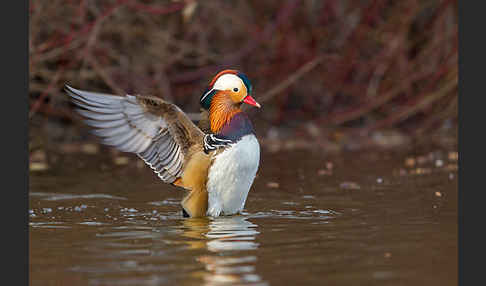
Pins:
x: 231, y: 176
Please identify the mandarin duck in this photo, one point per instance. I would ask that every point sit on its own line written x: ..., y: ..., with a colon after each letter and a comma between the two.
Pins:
x: 215, y: 162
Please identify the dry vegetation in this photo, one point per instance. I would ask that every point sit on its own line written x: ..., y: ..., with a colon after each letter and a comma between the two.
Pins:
x: 329, y: 69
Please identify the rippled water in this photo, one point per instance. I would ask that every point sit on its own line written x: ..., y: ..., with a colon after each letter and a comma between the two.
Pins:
x: 356, y: 219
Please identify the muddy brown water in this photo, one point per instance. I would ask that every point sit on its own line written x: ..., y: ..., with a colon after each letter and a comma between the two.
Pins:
x: 365, y: 218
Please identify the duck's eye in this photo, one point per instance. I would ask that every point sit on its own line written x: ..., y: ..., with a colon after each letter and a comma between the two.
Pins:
x: 235, y: 89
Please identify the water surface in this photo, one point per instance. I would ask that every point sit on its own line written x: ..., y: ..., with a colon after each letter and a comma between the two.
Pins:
x: 362, y: 218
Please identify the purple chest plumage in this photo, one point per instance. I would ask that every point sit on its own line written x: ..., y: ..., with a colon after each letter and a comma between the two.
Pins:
x: 239, y: 126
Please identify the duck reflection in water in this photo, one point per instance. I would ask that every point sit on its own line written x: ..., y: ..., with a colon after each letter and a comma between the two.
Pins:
x: 230, y: 239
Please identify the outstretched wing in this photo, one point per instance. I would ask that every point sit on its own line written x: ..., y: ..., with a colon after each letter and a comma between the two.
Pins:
x: 157, y: 131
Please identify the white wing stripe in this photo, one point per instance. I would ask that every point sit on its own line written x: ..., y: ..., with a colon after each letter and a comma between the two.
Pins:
x: 105, y: 124
x: 109, y: 132
x: 100, y: 116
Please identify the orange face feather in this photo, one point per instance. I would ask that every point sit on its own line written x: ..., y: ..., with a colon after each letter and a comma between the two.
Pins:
x: 221, y: 111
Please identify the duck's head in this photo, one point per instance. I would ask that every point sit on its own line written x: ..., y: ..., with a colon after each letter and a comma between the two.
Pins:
x: 231, y: 86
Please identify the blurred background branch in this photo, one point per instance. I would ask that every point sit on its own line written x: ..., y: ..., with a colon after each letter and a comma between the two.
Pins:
x: 349, y: 68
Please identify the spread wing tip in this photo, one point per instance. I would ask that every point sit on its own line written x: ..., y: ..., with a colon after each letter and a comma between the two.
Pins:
x: 68, y: 88
x: 157, y: 131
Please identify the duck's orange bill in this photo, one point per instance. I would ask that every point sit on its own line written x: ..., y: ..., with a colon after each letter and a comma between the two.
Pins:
x: 249, y: 100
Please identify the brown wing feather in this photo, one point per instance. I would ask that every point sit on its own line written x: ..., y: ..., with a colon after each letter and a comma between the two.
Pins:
x: 157, y: 131
x: 204, y: 124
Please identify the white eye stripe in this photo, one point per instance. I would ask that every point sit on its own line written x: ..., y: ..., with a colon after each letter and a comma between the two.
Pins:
x: 206, y: 94
x: 228, y: 82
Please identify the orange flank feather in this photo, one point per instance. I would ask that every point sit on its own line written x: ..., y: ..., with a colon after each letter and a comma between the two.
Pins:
x: 221, y: 111
x: 178, y: 183
x: 194, y: 179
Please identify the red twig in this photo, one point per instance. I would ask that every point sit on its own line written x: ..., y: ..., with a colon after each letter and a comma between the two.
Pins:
x: 65, y: 41
x: 157, y: 10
